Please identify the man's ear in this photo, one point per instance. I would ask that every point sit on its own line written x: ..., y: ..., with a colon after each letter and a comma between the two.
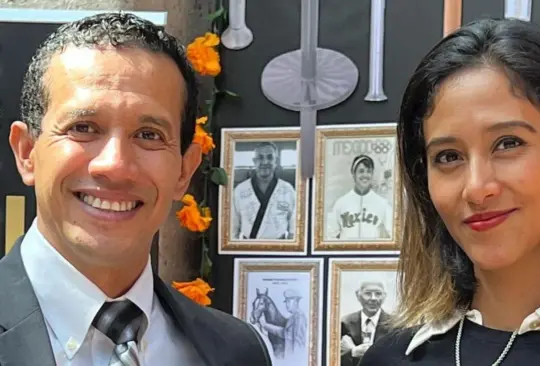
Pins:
x: 22, y: 145
x: 190, y: 162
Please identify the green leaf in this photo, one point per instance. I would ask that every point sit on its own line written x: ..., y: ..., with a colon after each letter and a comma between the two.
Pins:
x: 218, y: 13
x: 219, y: 176
x: 227, y: 93
x: 206, y: 265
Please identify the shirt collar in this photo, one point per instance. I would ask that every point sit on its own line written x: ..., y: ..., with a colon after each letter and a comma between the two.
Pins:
x: 70, y: 301
x: 374, y: 318
x: 530, y: 323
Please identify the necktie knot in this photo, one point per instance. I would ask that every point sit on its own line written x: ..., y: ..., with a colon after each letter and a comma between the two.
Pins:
x: 119, y: 320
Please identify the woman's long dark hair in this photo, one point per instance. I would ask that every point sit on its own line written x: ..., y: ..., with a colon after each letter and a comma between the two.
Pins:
x: 435, y: 275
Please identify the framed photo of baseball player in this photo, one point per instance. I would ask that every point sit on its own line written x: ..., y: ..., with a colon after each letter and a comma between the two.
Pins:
x: 282, y: 299
x: 263, y: 209
x: 362, y: 295
x: 356, y: 190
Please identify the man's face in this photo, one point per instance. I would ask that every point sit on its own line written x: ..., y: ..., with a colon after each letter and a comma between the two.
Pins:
x: 363, y: 177
x: 291, y: 304
x: 265, y: 161
x: 107, y: 165
x: 371, y: 297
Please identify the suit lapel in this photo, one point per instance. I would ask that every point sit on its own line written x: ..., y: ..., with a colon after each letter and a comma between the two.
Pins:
x: 199, y: 332
x: 25, y: 341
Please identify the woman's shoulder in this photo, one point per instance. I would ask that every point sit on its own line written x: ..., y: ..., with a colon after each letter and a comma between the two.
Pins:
x: 389, y: 349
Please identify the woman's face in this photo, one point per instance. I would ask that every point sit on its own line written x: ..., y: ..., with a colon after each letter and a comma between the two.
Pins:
x: 483, y: 162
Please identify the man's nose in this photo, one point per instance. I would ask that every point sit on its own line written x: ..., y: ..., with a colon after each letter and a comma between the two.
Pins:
x: 115, y: 162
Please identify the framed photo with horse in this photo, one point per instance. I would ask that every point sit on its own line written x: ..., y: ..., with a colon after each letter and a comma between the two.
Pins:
x: 282, y: 298
x: 362, y: 295
x: 264, y: 206
x: 356, y: 190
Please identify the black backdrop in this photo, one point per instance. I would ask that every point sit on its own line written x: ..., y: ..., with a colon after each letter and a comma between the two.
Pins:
x: 18, y: 42
x: 412, y: 27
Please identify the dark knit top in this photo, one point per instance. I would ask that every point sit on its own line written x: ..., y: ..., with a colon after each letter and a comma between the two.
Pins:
x: 480, y: 346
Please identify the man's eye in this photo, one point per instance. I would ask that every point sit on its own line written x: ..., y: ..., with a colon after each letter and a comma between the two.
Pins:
x: 149, y: 135
x: 82, y: 128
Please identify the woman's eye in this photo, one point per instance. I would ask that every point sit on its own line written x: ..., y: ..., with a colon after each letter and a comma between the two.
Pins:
x: 149, y: 135
x: 82, y: 128
x: 446, y: 157
x: 508, y: 143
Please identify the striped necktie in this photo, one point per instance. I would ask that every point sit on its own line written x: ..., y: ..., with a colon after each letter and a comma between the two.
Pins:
x: 120, y: 321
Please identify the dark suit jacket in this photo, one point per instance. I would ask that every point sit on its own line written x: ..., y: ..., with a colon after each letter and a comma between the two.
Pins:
x: 351, y: 325
x: 220, y: 338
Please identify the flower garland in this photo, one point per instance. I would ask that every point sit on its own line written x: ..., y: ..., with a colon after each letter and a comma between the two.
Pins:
x: 196, y: 216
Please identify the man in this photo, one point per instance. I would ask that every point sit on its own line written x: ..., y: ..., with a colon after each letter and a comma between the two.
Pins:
x: 361, y: 214
x: 360, y: 329
x: 108, y: 106
x: 295, y: 331
x: 264, y: 206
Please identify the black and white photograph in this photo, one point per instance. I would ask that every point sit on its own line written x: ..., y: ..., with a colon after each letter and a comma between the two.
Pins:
x: 282, y: 299
x: 263, y: 207
x: 361, y: 297
x: 356, y: 189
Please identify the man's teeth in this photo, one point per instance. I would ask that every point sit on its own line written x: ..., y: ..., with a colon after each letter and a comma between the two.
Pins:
x: 108, y: 205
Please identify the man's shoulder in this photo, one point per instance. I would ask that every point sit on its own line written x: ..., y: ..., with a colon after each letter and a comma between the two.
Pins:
x: 345, y: 199
x: 283, y: 184
x: 351, y: 318
x: 389, y: 350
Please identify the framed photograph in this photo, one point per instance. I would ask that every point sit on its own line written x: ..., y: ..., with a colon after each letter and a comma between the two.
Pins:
x: 264, y: 207
x: 282, y: 298
x: 356, y: 190
x: 361, y: 297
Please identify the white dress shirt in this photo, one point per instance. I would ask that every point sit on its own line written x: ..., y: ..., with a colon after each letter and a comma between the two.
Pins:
x: 530, y: 323
x: 367, y: 328
x: 69, y: 302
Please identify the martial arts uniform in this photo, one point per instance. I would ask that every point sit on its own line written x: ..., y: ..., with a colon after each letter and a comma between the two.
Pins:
x: 268, y: 215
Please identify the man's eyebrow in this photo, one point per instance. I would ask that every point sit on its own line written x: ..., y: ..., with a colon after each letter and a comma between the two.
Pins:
x: 79, y: 113
x: 153, y: 120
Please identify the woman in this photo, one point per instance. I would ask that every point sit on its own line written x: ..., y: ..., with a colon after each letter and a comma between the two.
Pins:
x: 469, y: 136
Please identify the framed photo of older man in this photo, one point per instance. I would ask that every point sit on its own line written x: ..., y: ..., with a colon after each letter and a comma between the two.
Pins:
x: 282, y: 298
x: 263, y: 208
x: 361, y: 297
x: 356, y: 190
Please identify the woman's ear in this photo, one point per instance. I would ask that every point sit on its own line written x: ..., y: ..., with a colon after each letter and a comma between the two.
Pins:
x: 22, y: 145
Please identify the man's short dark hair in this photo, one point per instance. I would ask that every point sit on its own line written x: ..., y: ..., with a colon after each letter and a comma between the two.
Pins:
x: 106, y: 29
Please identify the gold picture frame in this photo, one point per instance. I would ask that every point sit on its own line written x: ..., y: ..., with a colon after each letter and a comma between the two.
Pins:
x: 287, y: 203
x: 345, y: 277
x: 344, y: 222
x: 262, y: 286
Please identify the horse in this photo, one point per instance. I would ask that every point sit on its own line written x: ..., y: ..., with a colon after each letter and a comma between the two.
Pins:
x: 263, y: 304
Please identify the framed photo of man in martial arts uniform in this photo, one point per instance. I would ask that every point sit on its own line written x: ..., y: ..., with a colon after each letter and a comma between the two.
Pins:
x: 263, y: 208
x: 356, y: 190
x: 362, y: 295
x: 282, y: 299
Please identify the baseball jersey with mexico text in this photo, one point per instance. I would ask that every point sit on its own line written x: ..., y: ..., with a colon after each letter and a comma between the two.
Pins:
x: 271, y: 215
x: 360, y: 217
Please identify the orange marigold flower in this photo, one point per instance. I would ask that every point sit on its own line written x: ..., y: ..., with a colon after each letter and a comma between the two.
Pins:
x: 203, y: 56
x: 192, y: 217
x: 195, y: 290
x: 188, y: 200
x: 202, y: 120
x: 204, y: 139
